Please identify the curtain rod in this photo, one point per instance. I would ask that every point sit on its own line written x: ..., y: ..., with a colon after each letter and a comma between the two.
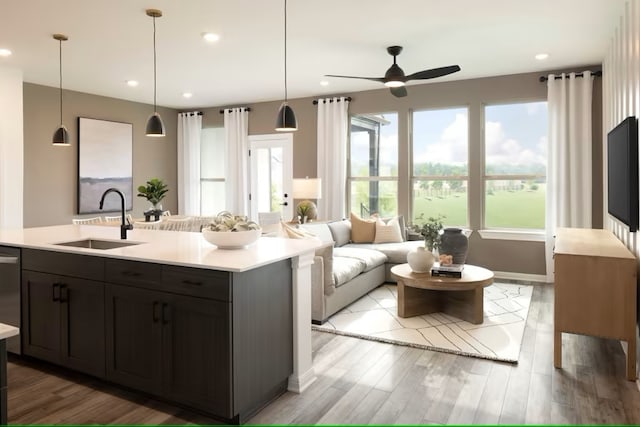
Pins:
x: 593, y: 73
x: 223, y: 110
x: 315, y: 101
x: 198, y: 113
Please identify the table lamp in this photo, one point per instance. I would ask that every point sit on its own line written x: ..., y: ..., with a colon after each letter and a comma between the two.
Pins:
x: 307, y: 188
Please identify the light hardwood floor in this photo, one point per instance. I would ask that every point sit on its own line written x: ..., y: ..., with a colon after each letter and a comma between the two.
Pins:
x: 368, y: 382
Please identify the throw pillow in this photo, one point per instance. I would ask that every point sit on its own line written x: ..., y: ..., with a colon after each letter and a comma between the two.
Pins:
x: 362, y: 230
x: 296, y: 233
x: 389, y: 232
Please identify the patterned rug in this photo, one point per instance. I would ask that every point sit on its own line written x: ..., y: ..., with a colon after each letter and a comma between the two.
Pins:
x: 374, y: 317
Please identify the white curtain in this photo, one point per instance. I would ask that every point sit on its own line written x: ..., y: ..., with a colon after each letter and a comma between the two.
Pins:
x: 236, y: 129
x: 333, y: 128
x: 569, y: 156
x: 189, y: 135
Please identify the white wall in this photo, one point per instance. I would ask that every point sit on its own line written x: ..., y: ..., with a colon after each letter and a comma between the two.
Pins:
x: 11, y: 148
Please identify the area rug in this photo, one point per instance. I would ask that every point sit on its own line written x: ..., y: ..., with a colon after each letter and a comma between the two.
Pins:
x: 375, y: 317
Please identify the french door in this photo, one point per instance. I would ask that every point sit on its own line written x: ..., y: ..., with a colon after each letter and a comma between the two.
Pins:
x: 271, y: 174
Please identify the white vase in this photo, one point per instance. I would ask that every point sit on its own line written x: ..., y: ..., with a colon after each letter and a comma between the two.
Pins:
x: 420, y: 259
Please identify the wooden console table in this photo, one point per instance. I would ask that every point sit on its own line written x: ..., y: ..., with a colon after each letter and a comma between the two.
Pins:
x: 595, y: 290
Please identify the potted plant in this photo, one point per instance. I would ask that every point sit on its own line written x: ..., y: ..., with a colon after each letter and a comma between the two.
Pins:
x: 421, y: 258
x: 154, y: 192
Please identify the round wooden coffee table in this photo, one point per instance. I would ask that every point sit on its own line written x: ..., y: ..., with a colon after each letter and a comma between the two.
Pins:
x: 421, y: 293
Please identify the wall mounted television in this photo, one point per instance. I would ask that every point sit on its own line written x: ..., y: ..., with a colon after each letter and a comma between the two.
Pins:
x: 622, y: 172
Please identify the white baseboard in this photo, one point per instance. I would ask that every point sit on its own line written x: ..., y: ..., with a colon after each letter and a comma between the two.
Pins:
x: 510, y: 275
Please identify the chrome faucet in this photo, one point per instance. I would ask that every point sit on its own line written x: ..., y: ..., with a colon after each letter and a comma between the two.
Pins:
x: 126, y: 225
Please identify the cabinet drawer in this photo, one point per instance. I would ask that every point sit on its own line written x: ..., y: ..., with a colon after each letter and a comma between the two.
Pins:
x: 197, y: 282
x: 135, y: 273
x: 64, y: 264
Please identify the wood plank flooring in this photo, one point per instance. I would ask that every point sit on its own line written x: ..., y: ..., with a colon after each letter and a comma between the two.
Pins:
x: 368, y: 382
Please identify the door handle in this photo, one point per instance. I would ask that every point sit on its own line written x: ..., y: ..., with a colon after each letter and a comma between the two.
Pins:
x: 56, y: 292
x: 8, y: 259
x: 284, y: 204
x: 156, y: 311
x: 166, y: 313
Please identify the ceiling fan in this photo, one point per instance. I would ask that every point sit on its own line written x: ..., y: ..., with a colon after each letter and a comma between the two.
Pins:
x: 395, y: 78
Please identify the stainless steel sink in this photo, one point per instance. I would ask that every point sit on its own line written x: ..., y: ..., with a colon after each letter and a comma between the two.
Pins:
x: 98, y: 244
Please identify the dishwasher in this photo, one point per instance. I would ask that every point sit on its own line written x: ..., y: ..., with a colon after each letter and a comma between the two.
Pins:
x: 10, y: 293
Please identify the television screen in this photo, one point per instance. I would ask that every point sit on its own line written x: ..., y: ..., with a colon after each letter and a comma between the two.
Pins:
x: 622, y: 167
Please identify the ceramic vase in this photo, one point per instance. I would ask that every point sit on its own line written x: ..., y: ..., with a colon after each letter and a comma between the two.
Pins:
x: 420, y: 259
x: 453, y: 242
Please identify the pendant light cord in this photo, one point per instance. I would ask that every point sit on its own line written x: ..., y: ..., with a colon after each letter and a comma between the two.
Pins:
x: 155, y: 110
x: 60, y: 81
x: 285, y: 50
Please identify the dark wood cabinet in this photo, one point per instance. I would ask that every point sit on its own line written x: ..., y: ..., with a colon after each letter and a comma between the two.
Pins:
x: 64, y: 321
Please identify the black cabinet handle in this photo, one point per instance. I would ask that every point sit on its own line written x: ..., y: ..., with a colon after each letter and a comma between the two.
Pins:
x: 130, y: 273
x: 64, y: 293
x: 56, y: 292
x: 156, y: 312
x: 192, y: 282
x: 166, y: 313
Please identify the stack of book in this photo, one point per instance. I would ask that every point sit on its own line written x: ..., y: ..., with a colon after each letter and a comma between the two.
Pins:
x: 450, y: 270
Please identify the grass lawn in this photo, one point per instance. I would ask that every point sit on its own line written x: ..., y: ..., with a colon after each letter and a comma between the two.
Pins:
x: 504, y: 209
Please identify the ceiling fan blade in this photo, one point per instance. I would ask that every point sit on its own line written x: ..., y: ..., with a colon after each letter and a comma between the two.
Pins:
x: 375, y: 79
x: 399, y: 91
x: 433, y: 73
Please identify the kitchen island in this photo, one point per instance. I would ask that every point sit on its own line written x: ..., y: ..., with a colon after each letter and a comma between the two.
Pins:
x: 221, y: 331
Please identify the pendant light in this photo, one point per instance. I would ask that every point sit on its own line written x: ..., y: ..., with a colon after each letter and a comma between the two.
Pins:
x: 61, y: 136
x: 155, y: 127
x: 286, y: 120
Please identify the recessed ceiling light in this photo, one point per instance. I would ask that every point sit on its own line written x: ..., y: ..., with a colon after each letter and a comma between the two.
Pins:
x: 187, y: 94
x: 324, y: 83
x: 542, y: 56
x: 132, y: 83
x: 210, y: 37
x: 5, y: 52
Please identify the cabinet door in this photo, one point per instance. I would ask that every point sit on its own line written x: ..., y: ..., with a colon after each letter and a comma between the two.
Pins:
x: 41, y: 315
x: 82, y: 325
x: 197, y: 353
x: 134, y: 338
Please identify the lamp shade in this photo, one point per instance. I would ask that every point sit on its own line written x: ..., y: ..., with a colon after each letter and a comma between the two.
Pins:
x: 307, y: 188
x: 61, y: 137
x: 155, y: 127
x: 286, y: 120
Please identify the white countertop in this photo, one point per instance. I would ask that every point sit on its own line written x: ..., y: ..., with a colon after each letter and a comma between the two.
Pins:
x: 164, y: 247
x: 7, y: 331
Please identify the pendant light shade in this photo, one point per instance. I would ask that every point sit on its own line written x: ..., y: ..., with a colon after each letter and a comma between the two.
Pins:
x: 60, y: 136
x: 155, y: 126
x: 286, y: 120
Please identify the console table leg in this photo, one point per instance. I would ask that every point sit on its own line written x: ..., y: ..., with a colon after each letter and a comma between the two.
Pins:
x: 631, y: 359
x: 557, y: 349
x: 3, y: 382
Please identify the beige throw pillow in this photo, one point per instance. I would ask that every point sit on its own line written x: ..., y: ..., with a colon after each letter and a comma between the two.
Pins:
x: 362, y: 230
x: 389, y: 232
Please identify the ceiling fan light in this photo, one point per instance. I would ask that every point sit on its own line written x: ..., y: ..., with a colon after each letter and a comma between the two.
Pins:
x: 394, y: 83
x: 286, y: 120
x: 155, y: 126
x: 61, y: 137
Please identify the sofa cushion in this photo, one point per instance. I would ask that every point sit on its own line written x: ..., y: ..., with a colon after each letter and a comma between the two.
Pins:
x: 370, y: 258
x: 362, y: 230
x: 396, y: 252
x: 320, y: 230
x: 345, y: 269
x: 341, y: 231
x: 388, y: 232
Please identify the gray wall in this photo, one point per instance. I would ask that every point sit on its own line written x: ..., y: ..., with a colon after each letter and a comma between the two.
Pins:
x: 51, y: 172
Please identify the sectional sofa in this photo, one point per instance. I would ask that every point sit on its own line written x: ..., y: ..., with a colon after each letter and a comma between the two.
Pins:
x: 347, y: 268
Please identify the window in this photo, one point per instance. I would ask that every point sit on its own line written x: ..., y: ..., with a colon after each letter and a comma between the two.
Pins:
x: 515, y: 165
x: 212, y: 171
x: 440, y: 177
x: 373, y: 164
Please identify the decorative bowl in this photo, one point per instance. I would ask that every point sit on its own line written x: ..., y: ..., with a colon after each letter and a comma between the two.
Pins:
x: 231, y: 239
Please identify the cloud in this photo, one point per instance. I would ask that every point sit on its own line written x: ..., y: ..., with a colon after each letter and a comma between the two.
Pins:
x: 502, y: 150
x: 451, y: 147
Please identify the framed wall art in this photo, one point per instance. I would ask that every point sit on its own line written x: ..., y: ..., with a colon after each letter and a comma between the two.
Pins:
x: 105, y: 160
